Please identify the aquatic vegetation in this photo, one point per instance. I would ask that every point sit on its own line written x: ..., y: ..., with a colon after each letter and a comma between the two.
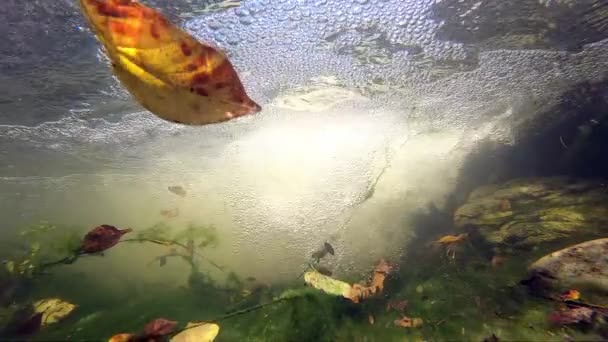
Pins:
x: 45, y: 242
x: 540, y: 210
x: 465, y: 298
x: 167, y: 71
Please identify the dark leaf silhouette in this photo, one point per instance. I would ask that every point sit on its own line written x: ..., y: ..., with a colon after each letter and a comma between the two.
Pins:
x: 101, y: 238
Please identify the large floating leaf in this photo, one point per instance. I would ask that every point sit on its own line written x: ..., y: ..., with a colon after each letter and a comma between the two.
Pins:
x: 167, y: 70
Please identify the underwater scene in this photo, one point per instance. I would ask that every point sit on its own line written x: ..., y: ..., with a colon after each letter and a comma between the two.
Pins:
x: 304, y: 170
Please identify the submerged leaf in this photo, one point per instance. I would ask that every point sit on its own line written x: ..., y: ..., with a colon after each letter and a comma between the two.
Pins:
x: 327, y: 284
x: 407, y: 322
x: 197, y: 332
x: 53, y: 310
x: 124, y: 337
x: 570, y: 295
x: 101, y: 238
x: 167, y: 70
x: 159, y: 327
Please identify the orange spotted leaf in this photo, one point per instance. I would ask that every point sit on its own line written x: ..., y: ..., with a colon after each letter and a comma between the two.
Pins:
x: 169, y: 72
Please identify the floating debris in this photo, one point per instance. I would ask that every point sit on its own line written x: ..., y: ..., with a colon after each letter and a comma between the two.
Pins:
x: 167, y: 71
x: 321, y: 253
x: 178, y: 190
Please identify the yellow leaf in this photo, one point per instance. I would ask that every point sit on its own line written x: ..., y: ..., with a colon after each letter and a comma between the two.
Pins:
x: 122, y: 338
x: 327, y: 284
x: 53, y: 310
x: 197, y: 332
x: 167, y: 70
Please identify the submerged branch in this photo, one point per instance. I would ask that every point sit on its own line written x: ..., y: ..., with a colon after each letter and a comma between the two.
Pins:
x: 164, y: 242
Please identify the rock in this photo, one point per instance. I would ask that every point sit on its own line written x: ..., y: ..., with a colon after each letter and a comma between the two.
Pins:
x: 583, y: 266
x: 525, y: 212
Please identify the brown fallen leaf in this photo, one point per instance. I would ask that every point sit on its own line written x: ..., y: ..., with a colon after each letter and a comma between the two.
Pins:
x: 361, y: 291
x: 159, y: 327
x: 407, y: 322
x: 371, y: 319
x: 101, y: 238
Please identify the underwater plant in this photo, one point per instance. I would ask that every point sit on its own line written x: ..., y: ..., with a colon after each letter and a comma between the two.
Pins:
x: 42, y: 242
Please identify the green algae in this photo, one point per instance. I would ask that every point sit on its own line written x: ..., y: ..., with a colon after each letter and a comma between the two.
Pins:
x: 464, y: 298
x: 524, y: 213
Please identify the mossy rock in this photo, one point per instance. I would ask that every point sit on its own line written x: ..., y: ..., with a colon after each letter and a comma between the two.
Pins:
x: 525, y: 212
x: 583, y: 266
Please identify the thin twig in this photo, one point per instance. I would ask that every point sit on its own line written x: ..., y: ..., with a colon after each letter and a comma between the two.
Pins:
x: 179, y: 244
x: 561, y: 140
x: 234, y: 314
